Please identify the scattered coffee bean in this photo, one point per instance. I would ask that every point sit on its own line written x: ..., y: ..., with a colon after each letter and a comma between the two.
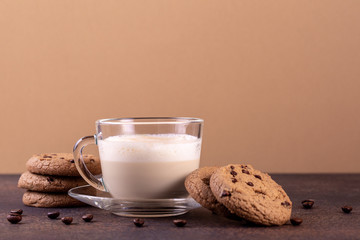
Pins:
x: 179, y: 222
x: 87, y: 217
x: 346, y: 209
x: 139, y: 222
x: 233, y: 173
x: 53, y: 215
x: 18, y: 211
x: 14, y: 218
x: 257, y: 176
x: 67, y: 220
x: 245, y: 171
x: 308, y: 203
x: 296, y: 221
x: 250, y: 184
x: 225, y: 193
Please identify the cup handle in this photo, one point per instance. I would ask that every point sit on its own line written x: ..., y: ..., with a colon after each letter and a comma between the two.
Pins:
x: 80, y: 164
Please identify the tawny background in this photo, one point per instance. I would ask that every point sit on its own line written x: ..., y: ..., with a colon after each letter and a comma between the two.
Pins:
x: 277, y: 82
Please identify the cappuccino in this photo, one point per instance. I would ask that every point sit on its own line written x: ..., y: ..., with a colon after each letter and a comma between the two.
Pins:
x: 150, y: 166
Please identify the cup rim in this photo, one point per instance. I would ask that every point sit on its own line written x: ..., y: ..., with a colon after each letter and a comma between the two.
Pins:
x: 150, y: 120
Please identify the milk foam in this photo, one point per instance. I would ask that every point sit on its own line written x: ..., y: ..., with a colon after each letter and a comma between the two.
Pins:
x: 150, y: 148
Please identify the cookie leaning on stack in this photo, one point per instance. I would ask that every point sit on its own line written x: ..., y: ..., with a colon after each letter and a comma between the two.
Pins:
x: 50, y: 176
x: 242, y: 190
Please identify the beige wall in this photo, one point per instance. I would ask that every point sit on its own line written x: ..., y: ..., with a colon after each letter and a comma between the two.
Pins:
x: 277, y: 82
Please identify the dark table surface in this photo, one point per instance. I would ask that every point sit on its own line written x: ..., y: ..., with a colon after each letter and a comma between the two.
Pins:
x: 325, y: 221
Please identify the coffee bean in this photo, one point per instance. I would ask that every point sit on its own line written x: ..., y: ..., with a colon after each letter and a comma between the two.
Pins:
x: 53, y: 215
x: 245, y: 171
x: 225, y: 193
x: 67, y: 220
x: 346, y: 209
x: 87, y: 217
x: 18, y: 211
x: 233, y: 173
x: 139, y: 222
x: 14, y: 218
x: 257, y: 176
x: 234, y: 180
x: 308, y: 203
x: 296, y: 221
x: 250, y: 184
x: 179, y: 222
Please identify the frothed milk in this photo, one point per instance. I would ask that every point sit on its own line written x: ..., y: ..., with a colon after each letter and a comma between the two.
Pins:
x: 148, y: 165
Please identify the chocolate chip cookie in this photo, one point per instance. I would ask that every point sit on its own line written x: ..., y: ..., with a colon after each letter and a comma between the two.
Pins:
x: 38, y: 199
x: 197, y: 184
x: 251, y: 194
x: 60, y: 164
x: 47, y: 183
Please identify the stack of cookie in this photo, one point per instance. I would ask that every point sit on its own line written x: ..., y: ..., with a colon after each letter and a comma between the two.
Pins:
x: 50, y: 176
x: 242, y: 191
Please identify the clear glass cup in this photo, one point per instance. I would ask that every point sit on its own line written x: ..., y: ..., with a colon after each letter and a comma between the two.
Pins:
x: 144, y: 162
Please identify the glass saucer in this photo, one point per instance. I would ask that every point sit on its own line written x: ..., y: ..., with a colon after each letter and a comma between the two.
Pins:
x: 133, y: 208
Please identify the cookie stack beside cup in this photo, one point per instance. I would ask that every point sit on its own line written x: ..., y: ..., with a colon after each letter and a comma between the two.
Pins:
x: 50, y: 176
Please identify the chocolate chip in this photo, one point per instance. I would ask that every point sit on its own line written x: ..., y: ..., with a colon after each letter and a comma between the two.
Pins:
x: 308, y: 203
x: 139, y: 222
x: 72, y: 161
x: 225, y: 193
x: 92, y: 160
x: 87, y: 217
x: 14, y: 218
x: 53, y: 215
x: 245, y: 171
x: 179, y: 222
x: 346, y: 209
x: 234, y: 180
x: 206, y: 181
x: 296, y: 221
x: 285, y: 204
x: 257, y: 176
x: 67, y: 220
x: 259, y: 192
x: 17, y: 211
x: 47, y: 156
x: 250, y: 184
x: 232, y: 167
x: 233, y: 173
x: 49, y: 179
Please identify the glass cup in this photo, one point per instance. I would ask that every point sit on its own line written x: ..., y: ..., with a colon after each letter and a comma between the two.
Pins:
x: 144, y: 162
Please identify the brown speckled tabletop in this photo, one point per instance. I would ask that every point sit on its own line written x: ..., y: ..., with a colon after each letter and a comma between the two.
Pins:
x: 325, y: 221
